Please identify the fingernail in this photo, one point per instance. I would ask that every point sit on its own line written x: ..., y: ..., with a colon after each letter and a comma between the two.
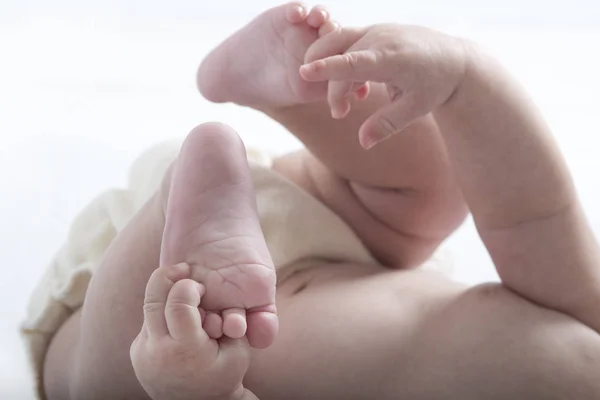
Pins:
x: 341, y: 110
x: 373, y: 139
x: 307, y: 67
x: 367, y: 144
x: 305, y: 71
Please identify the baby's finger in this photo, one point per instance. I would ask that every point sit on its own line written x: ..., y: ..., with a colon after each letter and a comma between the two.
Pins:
x: 339, y: 94
x: 356, y: 65
x: 337, y: 41
x: 337, y: 97
x: 234, y: 323
x: 181, y: 311
x: 390, y: 120
x: 234, y: 356
x: 159, y: 285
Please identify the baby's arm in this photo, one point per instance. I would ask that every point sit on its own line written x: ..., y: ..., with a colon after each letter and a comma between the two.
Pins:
x: 520, y: 192
x: 401, y: 199
x: 512, y: 174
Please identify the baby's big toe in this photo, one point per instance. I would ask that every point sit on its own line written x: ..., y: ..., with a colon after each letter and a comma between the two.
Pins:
x: 263, y: 327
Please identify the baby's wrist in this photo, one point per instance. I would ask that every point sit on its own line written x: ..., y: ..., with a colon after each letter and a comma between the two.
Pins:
x: 479, y: 68
x: 467, y: 54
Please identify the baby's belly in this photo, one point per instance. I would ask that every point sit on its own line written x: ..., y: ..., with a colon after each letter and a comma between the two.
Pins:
x: 421, y: 286
x: 345, y: 331
x: 365, y: 332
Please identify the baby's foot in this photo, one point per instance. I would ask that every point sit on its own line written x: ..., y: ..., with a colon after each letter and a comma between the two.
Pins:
x: 258, y: 66
x: 212, y: 225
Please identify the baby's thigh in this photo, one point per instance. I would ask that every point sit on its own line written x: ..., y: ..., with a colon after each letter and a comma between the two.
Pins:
x: 89, y: 355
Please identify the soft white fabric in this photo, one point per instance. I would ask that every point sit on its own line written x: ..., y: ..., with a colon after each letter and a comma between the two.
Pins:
x: 296, y: 226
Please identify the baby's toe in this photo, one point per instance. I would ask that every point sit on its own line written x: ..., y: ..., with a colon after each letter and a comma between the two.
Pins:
x: 234, y: 323
x: 296, y: 12
x: 317, y: 17
x: 213, y: 325
x: 263, y: 326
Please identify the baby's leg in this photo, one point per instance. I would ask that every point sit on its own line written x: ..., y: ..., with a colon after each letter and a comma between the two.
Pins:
x: 326, y: 349
x: 89, y: 357
x: 259, y: 67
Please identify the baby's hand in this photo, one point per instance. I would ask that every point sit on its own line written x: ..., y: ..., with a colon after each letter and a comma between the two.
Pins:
x: 421, y: 68
x: 173, y: 357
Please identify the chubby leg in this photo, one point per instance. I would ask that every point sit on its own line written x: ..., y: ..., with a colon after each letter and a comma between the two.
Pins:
x: 258, y: 66
x: 211, y: 224
x: 89, y: 356
x: 401, y: 198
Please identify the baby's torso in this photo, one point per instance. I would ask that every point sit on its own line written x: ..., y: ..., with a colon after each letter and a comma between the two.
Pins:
x: 418, y: 335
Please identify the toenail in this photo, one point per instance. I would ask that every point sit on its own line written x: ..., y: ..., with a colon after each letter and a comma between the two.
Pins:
x: 301, y: 10
x: 325, y: 14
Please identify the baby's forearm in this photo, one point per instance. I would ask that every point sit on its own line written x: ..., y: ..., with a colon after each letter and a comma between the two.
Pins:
x: 510, y: 167
x: 520, y: 192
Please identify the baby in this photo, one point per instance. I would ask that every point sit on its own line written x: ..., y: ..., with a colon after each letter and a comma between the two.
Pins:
x: 459, y: 134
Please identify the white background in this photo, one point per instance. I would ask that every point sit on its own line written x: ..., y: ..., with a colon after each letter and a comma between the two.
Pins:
x: 87, y: 85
